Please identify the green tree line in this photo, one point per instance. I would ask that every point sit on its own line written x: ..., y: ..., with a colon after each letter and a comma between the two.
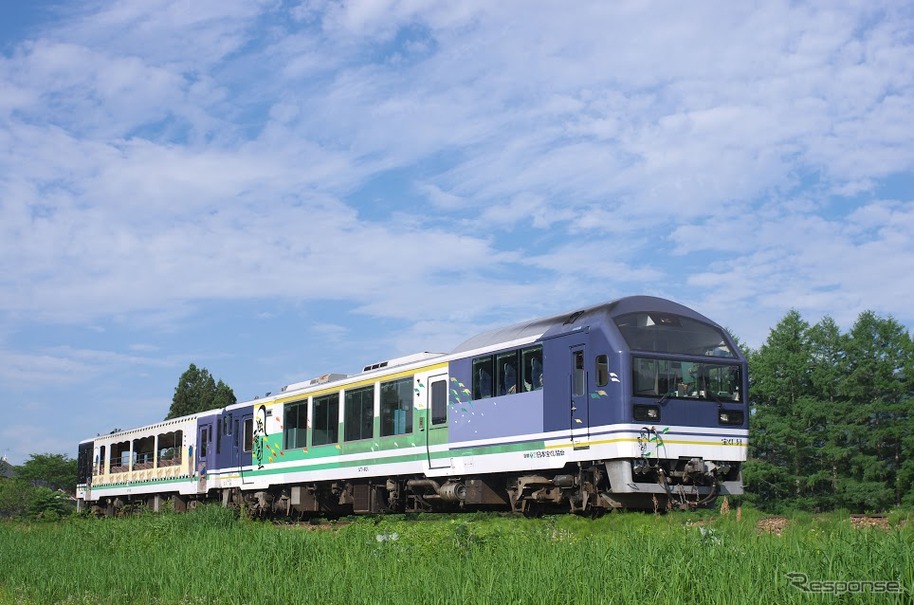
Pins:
x: 832, y: 416
x: 39, y: 488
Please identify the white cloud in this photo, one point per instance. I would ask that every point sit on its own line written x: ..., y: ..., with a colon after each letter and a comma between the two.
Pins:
x: 435, y: 168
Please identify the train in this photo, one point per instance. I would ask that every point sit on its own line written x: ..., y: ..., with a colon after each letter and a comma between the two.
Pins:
x: 637, y: 403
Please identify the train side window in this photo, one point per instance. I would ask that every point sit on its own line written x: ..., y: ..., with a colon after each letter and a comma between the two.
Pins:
x: 602, y: 363
x: 169, y: 449
x: 295, y: 425
x: 506, y: 372
x: 358, y: 421
x: 143, y: 452
x: 532, y: 364
x: 397, y: 407
x: 325, y: 426
x: 120, y: 457
x: 483, y: 369
x: 248, y: 442
x: 439, y: 402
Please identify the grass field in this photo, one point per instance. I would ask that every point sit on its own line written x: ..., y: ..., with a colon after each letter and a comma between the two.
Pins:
x: 209, y: 556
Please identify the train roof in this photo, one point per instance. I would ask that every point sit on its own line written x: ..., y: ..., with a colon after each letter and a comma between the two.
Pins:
x: 546, y: 327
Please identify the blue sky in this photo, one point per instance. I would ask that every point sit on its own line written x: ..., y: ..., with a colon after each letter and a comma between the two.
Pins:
x: 275, y: 190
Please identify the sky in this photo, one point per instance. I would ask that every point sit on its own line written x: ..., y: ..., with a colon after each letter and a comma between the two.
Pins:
x: 274, y: 190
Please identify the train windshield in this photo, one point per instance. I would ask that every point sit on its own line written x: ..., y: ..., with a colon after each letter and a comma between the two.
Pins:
x: 686, y: 380
x: 668, y: 333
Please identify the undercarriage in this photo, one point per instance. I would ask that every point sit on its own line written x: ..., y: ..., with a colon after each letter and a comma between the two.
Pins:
x: 586, y: 488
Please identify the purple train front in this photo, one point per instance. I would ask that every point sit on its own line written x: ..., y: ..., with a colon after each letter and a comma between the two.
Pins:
x: 637, y: 403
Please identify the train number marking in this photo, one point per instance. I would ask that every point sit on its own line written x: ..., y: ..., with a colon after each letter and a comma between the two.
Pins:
x: 544, y: 454
x: 731, y: 441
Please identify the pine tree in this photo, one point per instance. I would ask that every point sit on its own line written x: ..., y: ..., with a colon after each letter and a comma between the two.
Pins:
x: 779, y: 391
x: 197, y: 391
x: 825, y: 413
x: 832, y: 416
x: 877, y: 389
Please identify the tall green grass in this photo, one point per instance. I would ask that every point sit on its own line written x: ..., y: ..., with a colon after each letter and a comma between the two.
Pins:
x: 208, y: 556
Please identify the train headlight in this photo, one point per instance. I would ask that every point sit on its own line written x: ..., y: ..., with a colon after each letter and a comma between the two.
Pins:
x: 647, y: 413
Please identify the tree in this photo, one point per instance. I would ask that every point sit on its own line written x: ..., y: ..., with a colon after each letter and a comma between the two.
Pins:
x: 878, y: 391
x: 15, y: 497
x: 197, y: 391
x: 54, y: 471
x: 783, y: 401
x: 832, y: 416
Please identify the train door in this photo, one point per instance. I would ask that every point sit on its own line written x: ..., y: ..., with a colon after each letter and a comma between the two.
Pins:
x: 226, y: 441
x: 434, y: 422
x: 579, y: 407
x: 205, y: 453
x: 244, y: 435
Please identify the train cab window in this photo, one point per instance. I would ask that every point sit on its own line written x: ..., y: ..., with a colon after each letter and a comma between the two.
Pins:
x: 602, y: 363
x: 397, y: 407
x: 506, y: 373
x: 669, y: 333
x: 295, y: 425
x: 439, y: 402
x: 358, y: 417
x: 532, y: 364
x: 326, y: 423
x: 248, y: 441
x: 483, y: 370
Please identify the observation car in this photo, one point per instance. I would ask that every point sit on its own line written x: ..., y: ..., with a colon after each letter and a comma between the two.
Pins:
x: 636, y: 403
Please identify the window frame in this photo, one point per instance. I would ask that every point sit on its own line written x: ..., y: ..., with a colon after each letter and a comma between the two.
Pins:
x: 483, y: 365
x: 331, y: 416
x: 301, y: 429
x: 532, y: 353
x: 403, y: 387
x: 247, y: 444
x: 505, y: 360
x: 439, y: 397
x: 579, y: 374
x: 494, y: 364
x: 601, y: 363
x: 358, y: 413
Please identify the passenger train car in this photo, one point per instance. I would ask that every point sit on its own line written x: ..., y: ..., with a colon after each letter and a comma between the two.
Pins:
x: 637, y: 403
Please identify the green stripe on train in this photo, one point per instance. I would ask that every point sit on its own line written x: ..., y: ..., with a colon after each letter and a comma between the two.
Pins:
x: 337, y: 464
